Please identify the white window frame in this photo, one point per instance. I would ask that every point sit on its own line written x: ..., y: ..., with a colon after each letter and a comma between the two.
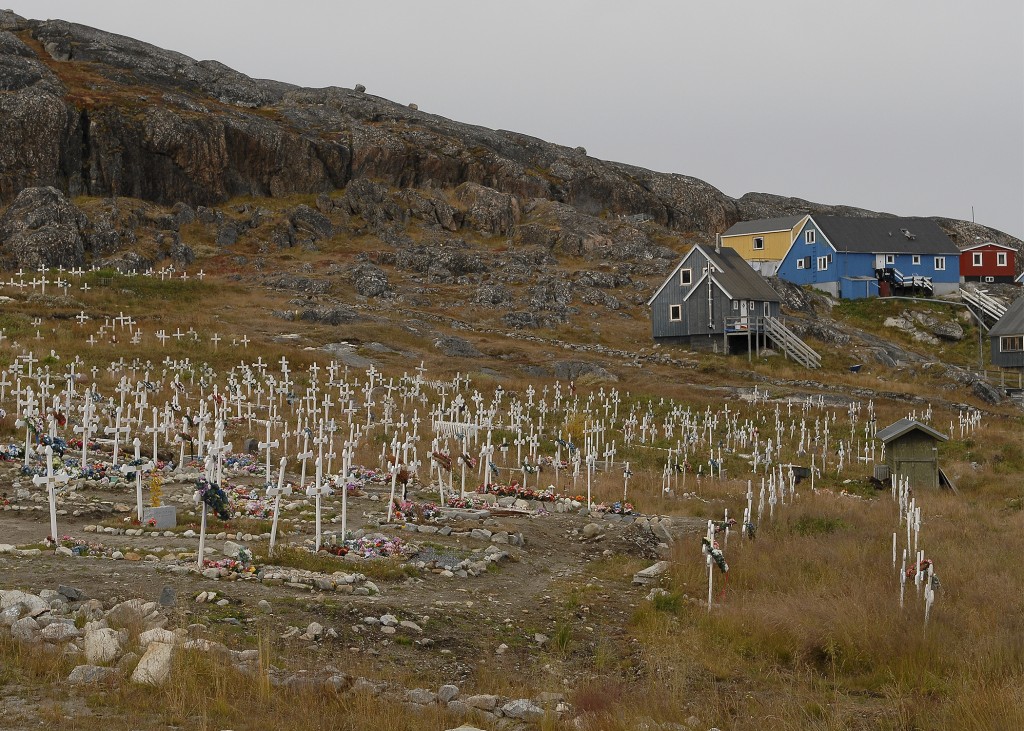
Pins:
x: 675, y: 313
x: 1011, y: 343
x: 688, y: 273
x: 890, y: 259
x: 735, y: 305
x: 1001, y: 258
x: 822, y: 263
x: 809, y: 237
x: 916, y: 260
x: 767, y: 309
x: 940, y: 263
x: 800, y: 263
x: 758, y: 243
x: 977, y: 258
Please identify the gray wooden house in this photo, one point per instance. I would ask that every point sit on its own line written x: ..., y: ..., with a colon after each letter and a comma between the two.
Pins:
x: 1007, y: 337
x: 712, y: 297
x: 911, y: 450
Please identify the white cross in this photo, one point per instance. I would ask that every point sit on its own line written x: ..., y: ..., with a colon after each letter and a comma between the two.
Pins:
x: 276, y: 493
x: 51, y: 481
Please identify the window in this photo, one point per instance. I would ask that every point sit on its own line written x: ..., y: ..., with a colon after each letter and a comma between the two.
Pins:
x: 1001, y: 259
x: 675, y: 313
x: 767, y: 309
x: 758, y: 243
x: 940, y: 263
x: 977, y: 258
x: 890, y: 259
x: 916, y: 260
x: 735, y: 305
x: 1011, y: 343
x: 809, y: 237
x: 800, y: 263
x: 685, y: 277
x: 822, y: 263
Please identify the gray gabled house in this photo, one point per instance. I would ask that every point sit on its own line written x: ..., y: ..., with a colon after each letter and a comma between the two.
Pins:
x: 1007, y: 337
x: 709, y: 296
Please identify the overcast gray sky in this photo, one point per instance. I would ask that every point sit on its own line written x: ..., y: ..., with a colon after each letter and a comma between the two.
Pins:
x: 913, y: 107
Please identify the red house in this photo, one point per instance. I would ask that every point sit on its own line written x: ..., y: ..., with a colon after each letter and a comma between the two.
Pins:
x: 988, y: 262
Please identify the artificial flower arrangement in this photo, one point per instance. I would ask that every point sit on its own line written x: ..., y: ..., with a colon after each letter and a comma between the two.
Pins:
x: 366, y: 547
x: 214, y: 497
x: 619, y: 508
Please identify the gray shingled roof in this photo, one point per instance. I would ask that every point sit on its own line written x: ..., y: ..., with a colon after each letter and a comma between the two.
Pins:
x: 738, y: 278
x: 904, y: 426
x: 764, y: 225
x: 1012, y: 323
x: 885, y: 235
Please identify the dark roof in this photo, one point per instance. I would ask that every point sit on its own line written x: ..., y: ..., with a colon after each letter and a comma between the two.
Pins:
x: 989, y: 243
x: 764, y: 225
x: 885, y: 235
x: 1012, y: 323
x: 738, y: 278
x: 905, y: 426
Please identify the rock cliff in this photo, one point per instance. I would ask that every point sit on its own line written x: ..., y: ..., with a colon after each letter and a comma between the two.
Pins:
x: 91, y: 113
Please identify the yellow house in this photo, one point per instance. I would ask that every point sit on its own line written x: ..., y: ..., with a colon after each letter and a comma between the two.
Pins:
x: 764, y: 243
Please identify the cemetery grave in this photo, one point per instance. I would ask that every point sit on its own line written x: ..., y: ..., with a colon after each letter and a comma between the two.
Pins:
x: 444, y: 526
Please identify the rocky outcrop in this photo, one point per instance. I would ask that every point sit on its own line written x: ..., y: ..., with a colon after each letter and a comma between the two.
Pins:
x: 42, y: 228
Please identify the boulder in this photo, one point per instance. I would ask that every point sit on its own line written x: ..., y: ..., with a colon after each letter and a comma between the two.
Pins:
x: 456, y: 347
x: 91, y: 675
x: 60, y: 632
x: 370, y: 281
x: 30, y: 602
x: 155, y: 666
x: 25, y: 629
x: 102, y: 646
x: 42, y: 228
x: 523, y: 709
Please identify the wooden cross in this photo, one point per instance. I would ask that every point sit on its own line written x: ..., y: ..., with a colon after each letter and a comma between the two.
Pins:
x: 117, y: 430
x: 276, y: 493
x: 318, y: 491
x: 137, y: 469
x: 51, y: 480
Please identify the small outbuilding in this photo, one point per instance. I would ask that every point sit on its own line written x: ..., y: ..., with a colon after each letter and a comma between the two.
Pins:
x: 911, y: 450
x: 1007, y: 337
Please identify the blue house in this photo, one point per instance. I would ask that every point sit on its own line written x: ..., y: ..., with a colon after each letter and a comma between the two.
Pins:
x: 868, y: 257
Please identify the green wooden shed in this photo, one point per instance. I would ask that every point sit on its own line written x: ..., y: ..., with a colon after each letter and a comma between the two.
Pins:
x: 911, y: 450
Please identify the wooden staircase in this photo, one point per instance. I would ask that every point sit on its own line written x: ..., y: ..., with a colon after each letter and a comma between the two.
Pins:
x: 791, y: 345
x: 983, y: 304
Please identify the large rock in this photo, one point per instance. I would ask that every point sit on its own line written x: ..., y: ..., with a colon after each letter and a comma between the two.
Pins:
x: 91, y: 675
x: 42, y: 228
x: 30, y: 602
x: 60, y: 632
x: 370, y: 281
x: 155, y: 666
x: 523, y: 709
x: 25, y: 629
x: 456, y: 347
x: 102, y: 646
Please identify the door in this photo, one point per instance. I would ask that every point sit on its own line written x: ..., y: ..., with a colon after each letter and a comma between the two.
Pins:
x: 879, y: 261
x: 743, y: 313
